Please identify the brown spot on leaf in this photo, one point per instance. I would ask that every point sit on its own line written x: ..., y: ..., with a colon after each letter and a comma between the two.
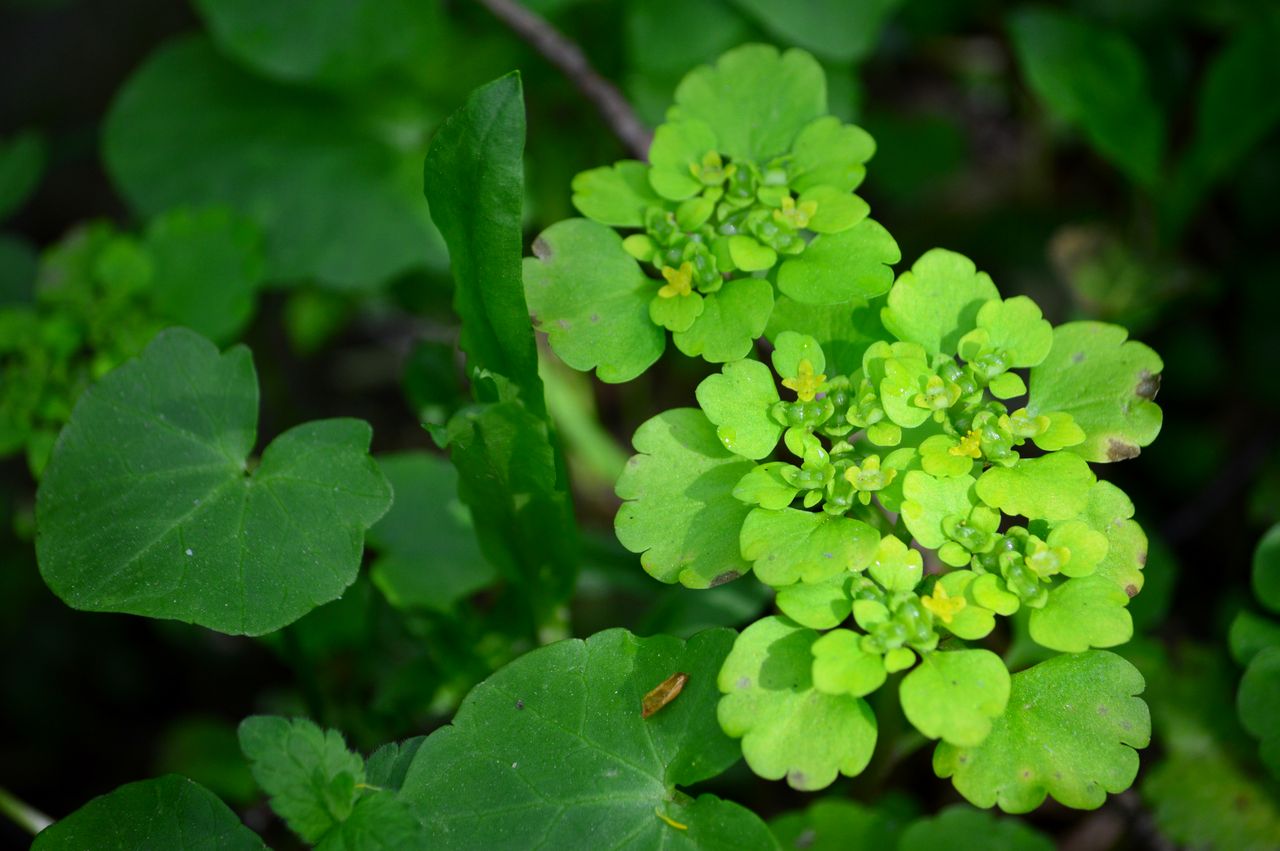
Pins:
x: 1078, y: 357
x: 806, y: 838
x: 541, y: 249
x: 1142, y: 558
x: 564, y: 323
x: 1121, y: 450
x: 595, y: 317
x: 1131, y: 590
x: 743, y: 682
x: 1148, y: 385
x: 797, y: 779
x: 727, y: 576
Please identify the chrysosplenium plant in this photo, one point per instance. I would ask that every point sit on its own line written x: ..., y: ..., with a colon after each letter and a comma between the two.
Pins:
x: 906, y: 462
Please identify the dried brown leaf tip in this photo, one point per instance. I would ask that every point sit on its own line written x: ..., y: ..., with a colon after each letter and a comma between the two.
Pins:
x: 665, y: 692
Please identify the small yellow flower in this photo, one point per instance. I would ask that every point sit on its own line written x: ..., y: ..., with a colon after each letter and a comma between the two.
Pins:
x: 795, y: 215
x: 969, y: 445
x: 679, y: 281
x: 805, y: 383
x: 943, y: 606
x: 712, y: 171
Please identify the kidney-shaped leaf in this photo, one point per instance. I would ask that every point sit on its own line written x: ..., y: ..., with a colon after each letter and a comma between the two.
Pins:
x: 681, y: 514
x: 150, y: 506
x: 552, y: 751
x: 1106, y: 383
x: 1069, y: 731
x: 335, y: 200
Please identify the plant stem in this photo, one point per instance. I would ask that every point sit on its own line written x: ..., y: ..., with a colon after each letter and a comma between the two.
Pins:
x: 23, y: 814
x: 563, y: 53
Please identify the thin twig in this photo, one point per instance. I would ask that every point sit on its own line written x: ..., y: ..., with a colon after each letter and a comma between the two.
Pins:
x: 572, y: 62
x: 23, y: 814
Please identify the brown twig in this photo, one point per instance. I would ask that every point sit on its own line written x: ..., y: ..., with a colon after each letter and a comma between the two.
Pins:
x: 572, y: 62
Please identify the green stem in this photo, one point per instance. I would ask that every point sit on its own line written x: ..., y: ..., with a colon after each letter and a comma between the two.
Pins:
x: 22, y: 814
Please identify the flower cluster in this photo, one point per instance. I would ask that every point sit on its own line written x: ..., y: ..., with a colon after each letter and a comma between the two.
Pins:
x: 905, y: 461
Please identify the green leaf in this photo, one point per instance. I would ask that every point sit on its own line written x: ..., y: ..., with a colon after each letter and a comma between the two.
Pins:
x: 739, y: 401
x: 1069, y: 731
x: 1250, y: 634
x: 959, y: 826
x: 842, y: 667
x: 592, y: 300
x: 747, y: 84
x: 955, y: 696
x: 1083, y: 613
x: 317, y: 167
x: 766, y: 487
x: 835, y: 30
x: 676, y: 146
x: 929, y: 500
x: 749, y: 255
x: 18, y: 266
x: 680, y: 514
x: 850, y: 266
x: 830, y: 153
x: 1266, y: 570
x: 731, y: 320
x: 836, y: 824
x: 148, y: 505
x: 1053, y: 487
x: 937, y: 302
x: 510, y: 478
x: 21, y: 165
x: 475, y: 183
x: 1202, y: 800
x: 789, y: 728
x: 790, y: 348
x: 379, y: 821
x: 1016, y: 326
x: 837, y: 210
x: 428, y: 556
x: 552, y: 750
x: 817, y: 605
x: 1258, y: 698
x: 1094, y: 78
x: 1235, y: 111
x: 312, y: 779
x: 791, y: 545
x: 207, y: 265
x: 615, y: 195
x: 1110, y: 512
x: 1105, y: 383
x: 170, y: 812
x: 844, y: 332
x: 331, y: 41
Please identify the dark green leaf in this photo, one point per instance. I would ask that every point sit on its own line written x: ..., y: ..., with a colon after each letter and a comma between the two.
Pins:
x: 834, y: 29
x: 475, y: 184
x: 206, y: 267
x: 1096, y: 79
x: 21, y: 164
x: 171, y: 813
x: 509, y: 477
x: 334, y: 41
x: 552, y: 751
x: 149, y: 505
x: 317, y: 169
x: 428, y: 556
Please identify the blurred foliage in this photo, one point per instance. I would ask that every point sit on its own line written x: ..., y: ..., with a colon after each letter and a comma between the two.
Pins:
x: 254, y: 171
